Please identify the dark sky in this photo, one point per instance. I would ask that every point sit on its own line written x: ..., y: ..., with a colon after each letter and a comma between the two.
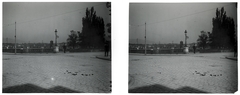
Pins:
x: 166, y: 22
x: 36, y: 22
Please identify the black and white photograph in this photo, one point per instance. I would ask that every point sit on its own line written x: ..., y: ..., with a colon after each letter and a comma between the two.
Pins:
x: 183, y: 47
x: 56, y: 47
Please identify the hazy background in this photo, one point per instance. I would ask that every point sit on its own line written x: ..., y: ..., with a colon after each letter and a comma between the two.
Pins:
x: 36, y: 22
x: 166, y: 22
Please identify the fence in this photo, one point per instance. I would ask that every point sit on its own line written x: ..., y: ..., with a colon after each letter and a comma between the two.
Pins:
x: 85, y: 50
x: 32, y: 50
x: 39, y: 50
x: 160, y: 51
x: 214, y: 50
x: 178, y: 51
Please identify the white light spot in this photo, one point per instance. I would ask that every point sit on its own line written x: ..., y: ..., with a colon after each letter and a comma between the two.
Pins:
x: 52, y: 78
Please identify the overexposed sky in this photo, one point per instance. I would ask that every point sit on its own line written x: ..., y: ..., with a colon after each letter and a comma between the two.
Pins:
x: 166, y: 22
x: 36, y: 22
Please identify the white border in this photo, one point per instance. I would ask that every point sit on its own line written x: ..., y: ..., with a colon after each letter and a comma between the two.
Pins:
x: 120, y: 37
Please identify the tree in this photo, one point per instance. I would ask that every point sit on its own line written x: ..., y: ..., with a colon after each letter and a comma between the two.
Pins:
x: 223, y: 32
x: 72, y: 39
x: 203, y: 39
x: 80, y: 38
x: 93, y: 30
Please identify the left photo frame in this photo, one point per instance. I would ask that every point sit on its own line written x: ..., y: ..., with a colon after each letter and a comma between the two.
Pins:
x: 56, y: 47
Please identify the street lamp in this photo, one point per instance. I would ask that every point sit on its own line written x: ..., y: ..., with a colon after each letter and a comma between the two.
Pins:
x: 185, y: 38
x: 186, y: 48
x: 15, y: 39
x: 145, y: 40
x: 56, y: 46
x: 56, y: 37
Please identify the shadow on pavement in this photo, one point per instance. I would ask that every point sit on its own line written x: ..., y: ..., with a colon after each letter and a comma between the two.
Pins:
x: 30, y: 88
x: 163, y: 89
x: 104, y: 58
x: 232, y: 58
x: 141, y: 54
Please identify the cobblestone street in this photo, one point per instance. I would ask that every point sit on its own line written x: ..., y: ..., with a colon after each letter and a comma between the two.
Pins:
x: 182, y: 73
x: 54, y: 73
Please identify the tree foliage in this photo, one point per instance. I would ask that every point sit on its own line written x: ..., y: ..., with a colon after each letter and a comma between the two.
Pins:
x: 80, y: 37
x: 223, y: 32
x: 72, y: 39
x: 93, y: 29
x: 203, y: 39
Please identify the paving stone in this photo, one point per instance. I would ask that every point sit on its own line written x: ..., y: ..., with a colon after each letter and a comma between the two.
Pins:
x: 185, y: 71
x: 47, y: 71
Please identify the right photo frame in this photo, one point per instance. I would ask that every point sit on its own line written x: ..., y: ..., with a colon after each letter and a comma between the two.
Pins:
x: 183, y: 48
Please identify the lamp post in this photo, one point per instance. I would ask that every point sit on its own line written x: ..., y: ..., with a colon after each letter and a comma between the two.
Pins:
x: 56, y: 46
x: 15, y: 39
x: 56, y: 37
x: 185, y: 38
x: 186, y: 47
x: 145, y: 40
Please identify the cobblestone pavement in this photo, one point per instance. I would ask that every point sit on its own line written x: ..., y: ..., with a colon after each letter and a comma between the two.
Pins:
x: 183, y: 73
x: 70, y: 72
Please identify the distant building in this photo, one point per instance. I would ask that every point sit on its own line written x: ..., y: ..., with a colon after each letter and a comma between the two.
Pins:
x: 51, y: 44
